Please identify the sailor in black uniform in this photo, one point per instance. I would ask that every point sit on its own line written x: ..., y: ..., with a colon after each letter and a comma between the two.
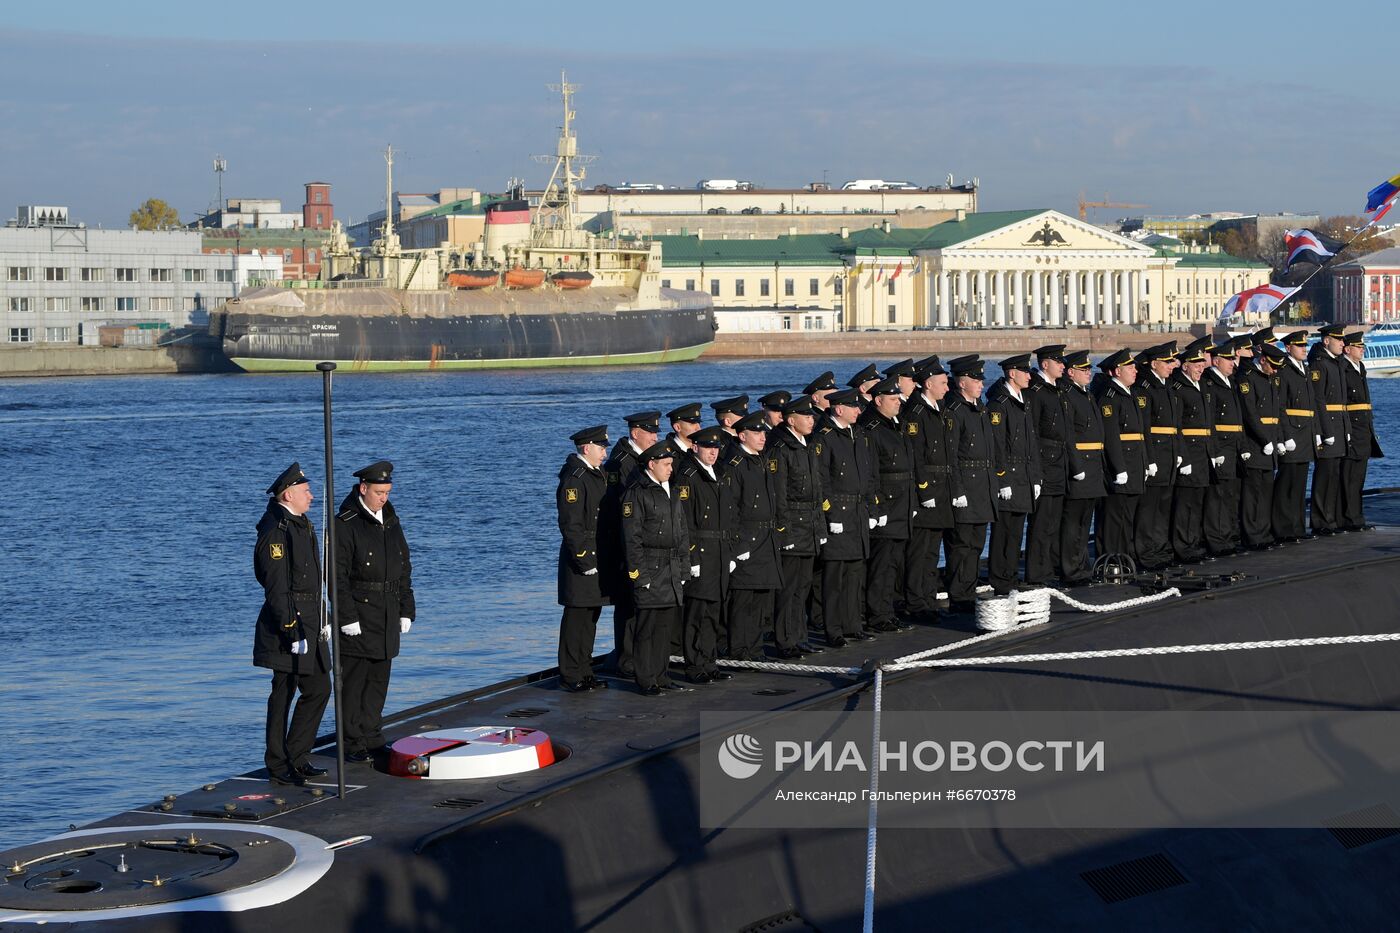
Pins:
x: 1193, y: 473
x: 1361, y: 434
x: 927, y: 432
x: 685, y: 421
x: 903, y: 372
x: 773, y: 404
x: 642, y: 430
x: 1325, y: 371
x: 819, y: 389
x: 290, y: 640
x: 656, y: 546
x: 1045, y: 397
x: 894, y: 489
x: 578, y: 500
x: 974, y: 488
x: 1125, y: 457
x: 1221, y: 522
x: 374, y: 592
x: 1086, y: 480
x: 728, y: 411
x: 848, y: 486
x: 800, y: 495
x: 1259, y: 391
x: 1162, y: 422
x: 1017, y: 450
x: 1297, y: 428
x: 862, y: 381
x: 704, y: 499
x: 757, y: 575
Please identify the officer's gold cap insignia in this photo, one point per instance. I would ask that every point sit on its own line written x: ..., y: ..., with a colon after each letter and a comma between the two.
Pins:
x: 627, y: 509
x: 633, y: 574
x: 570, y: 495
x: 275, y: 550
x: 996, y: 417
x: 683, y: 492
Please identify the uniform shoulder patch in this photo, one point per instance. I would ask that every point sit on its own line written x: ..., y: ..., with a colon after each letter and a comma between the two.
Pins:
x: 612, y: 479
x: 683, y: 492
x: 276, y: 551
x: 1142, y: 401
x: 736, y: 461
x: 570, y: 494
x: 626, y: 510
x: 817, y: 448
x: 996, y: 417
x: 1108, y: 410
x: 772, y: 466
x: 346, y: 515
x: 633, y: 574
x: 1316, y: 376
x: 949, y: 423
x: 913, y: 428
x: 1244, y: 388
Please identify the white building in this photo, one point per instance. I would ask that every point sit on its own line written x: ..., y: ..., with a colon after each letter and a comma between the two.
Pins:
x: 59, y: 283
x: 257, y: 213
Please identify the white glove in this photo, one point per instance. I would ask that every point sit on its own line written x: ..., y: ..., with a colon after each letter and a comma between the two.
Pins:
x: 1269, y: 449
x: 590, y: 572
x: 743, y: 556
x: 1317, y: 440
x: 1348, y: 438
x: 1245, y: 455
x: 1035, y: 491
x: 1152, y: 469
x: 326, y: 632
x: 1178, y: 461
x: 646, y: 586
x: 299, y: 646
x: 873, y: 522
x: 1004, y: 493
x: 404, y: 625
x: 883, y: 520
x: 1290, y: 445
x: 928, y: 503
x: 1329, y: 441
x: 1078, y: 477
x: 1186, y: 470
x: 732, y: 565
x: 1217, y: 461
x: 960, y: 502
x: 835, y: 528
x: 352, y: 629
x: 695, y: 571
x: 789, y: 547
x: 822, y: 541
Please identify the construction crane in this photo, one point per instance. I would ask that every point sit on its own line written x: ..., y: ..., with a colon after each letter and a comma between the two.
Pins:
x: 1085, y: 205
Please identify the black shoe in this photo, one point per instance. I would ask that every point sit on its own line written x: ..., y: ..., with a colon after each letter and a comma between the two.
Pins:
x: 836, y: 641
x: 721, y: 675
x: 287, y: 777
x: 359, y: 757
x: 808, y: 648
x: 651, y: 692
x: 311, y: 771
x: 1367, y: 527
x: 593, y: 683
x: 700, y: 679
x: 861, y: 636
x: 575, y: 686
x: 789, y: 654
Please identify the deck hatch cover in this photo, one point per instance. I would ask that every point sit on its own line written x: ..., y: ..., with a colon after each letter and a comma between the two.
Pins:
x: 1134, y: 878
x: 458, y: 803
x: 526, y: 712
x: 1363, y: 827
x: 773, y: 692
x: 789, y: 921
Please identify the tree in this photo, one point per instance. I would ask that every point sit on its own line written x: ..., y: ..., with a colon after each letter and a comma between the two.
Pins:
x: 1344, y: 227
x: 155, y: 214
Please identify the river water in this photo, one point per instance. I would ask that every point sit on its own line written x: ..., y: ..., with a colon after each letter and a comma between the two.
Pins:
x: 126, y: 578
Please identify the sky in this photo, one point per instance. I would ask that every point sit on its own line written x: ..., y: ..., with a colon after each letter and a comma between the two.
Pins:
x: 1184, y: 107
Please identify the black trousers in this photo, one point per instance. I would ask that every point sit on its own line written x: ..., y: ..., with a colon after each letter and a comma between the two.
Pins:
x: 1221, y: 522
x: 1152, y: 527
x: 651, y: 644
x: 1043, y: 538
x: 287, y: 748
x: 1074, y: 539
x: 814, y: 600
x: 701, y: 635
x: 1256, y: 507
x: 790, y: 611
x: 841, y: 596
x: 1117, y: 524
x: 884, y: 577
x: 750, y: 615
x: 968, y: 539
x: 577, y: 629
x: 1327, y: 494
x: 1290, y: 486
x: 1004, y: 555
x: 624, y: 630
x: 921, y: 577
x: 1188, y: 535
x: 366, y: 685
x: 1353, y: 481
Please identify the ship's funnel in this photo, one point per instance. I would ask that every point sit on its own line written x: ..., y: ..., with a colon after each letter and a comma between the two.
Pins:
x: 507, y: 224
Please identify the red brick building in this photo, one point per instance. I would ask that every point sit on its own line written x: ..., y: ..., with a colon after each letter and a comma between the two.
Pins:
x: 1367, y: 290
x: 318, y: 212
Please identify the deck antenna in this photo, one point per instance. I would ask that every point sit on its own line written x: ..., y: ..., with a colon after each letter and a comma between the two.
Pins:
x: 558, y: 208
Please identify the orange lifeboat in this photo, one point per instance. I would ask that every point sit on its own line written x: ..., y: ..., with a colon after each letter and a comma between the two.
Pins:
x: 472, y: 278
x: 524, y: 278
x: 572, y: 279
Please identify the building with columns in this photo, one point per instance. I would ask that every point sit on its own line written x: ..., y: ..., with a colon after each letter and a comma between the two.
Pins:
x: 997, y: 269
x: 1367, y: 290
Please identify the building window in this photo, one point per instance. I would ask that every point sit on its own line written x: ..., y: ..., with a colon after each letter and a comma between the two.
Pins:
x: 21, y: 274
x: 55, y: 274
x: 224, y: 275
x: 194, y: 304
x: 162, y: 275
x: 92, y: 274
x: 19, y: 304
x: 320, y: 196
x: 714, y: 287
x: 160, y: 304
x: 55, y: 304
x: 311, y: 257
x: 789, y: 289
x: 126, y: 304
x: 763, y: 290
x: 894, y: 314
x: 58, y: 334
x: 126, y: 275
x: 739, y: 288
x: 891, y: 287
x: 286, y: 255
x: 194, y: 275
x: 665, y: 283
x: 814, y: 287
x: 21, y: 335
x: 690, y: 285
x: 787, y: 322
x: 89, y: 304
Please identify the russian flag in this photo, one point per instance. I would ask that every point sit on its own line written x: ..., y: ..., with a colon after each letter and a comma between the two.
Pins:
x: 1263, y: 299
x: 1381, y: 197
x: 1306, y: 246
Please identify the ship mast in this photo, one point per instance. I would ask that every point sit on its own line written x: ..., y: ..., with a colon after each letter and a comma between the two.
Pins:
x: 388, y: 192
x: 558, y: 209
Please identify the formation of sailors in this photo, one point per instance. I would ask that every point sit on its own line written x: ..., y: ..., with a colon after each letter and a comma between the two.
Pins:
x: 823, y: 513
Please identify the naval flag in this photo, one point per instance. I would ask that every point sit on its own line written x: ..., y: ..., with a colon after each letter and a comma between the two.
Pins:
x: 1261, y: 300
x: 1381, y: 198
x: 1306, y: 246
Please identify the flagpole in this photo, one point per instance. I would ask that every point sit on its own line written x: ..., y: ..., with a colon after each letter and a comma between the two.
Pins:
x: 1324, y: 264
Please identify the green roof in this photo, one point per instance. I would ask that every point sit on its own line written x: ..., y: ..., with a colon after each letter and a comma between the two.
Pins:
x: 903, y: 242
x: 460, y: 207
x: 1209, y: 260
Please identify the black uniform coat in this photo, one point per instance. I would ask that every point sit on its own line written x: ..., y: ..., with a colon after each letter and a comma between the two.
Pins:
x: 656, y: 544
x: 894, y: 474
x: 1124, y: 433
x: 1085, y: 444
x: 1197, y: 443
x: 926, y: 431
x: 973, y: 462
x: 709, y: 516
x: 754, y: 485
x: 1298, y: 418
x: 1017, y: 449
x: 1259, y: 409
x: 1329, y: 394
x: 1224, y: 403
x: 847, y: 472
x: 373, y: 579
x: 618, y: 470
x: 799, y: 491
x: 1047, y: 405
x: 1363, y: 444
x: 578, y: 500
x: 1161, y: 422
x: 288, y: 567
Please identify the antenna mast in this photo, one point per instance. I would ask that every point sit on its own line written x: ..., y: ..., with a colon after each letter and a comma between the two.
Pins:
x: 388, y: 192
x: 558, y: 209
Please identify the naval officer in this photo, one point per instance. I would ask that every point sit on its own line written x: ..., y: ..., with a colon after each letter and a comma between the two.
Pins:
x: 290, y: 640
x: 1361, y: 434
x: 579, y: 500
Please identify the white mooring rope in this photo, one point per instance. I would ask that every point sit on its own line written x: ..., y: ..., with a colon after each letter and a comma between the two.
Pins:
x: 871, y: 821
